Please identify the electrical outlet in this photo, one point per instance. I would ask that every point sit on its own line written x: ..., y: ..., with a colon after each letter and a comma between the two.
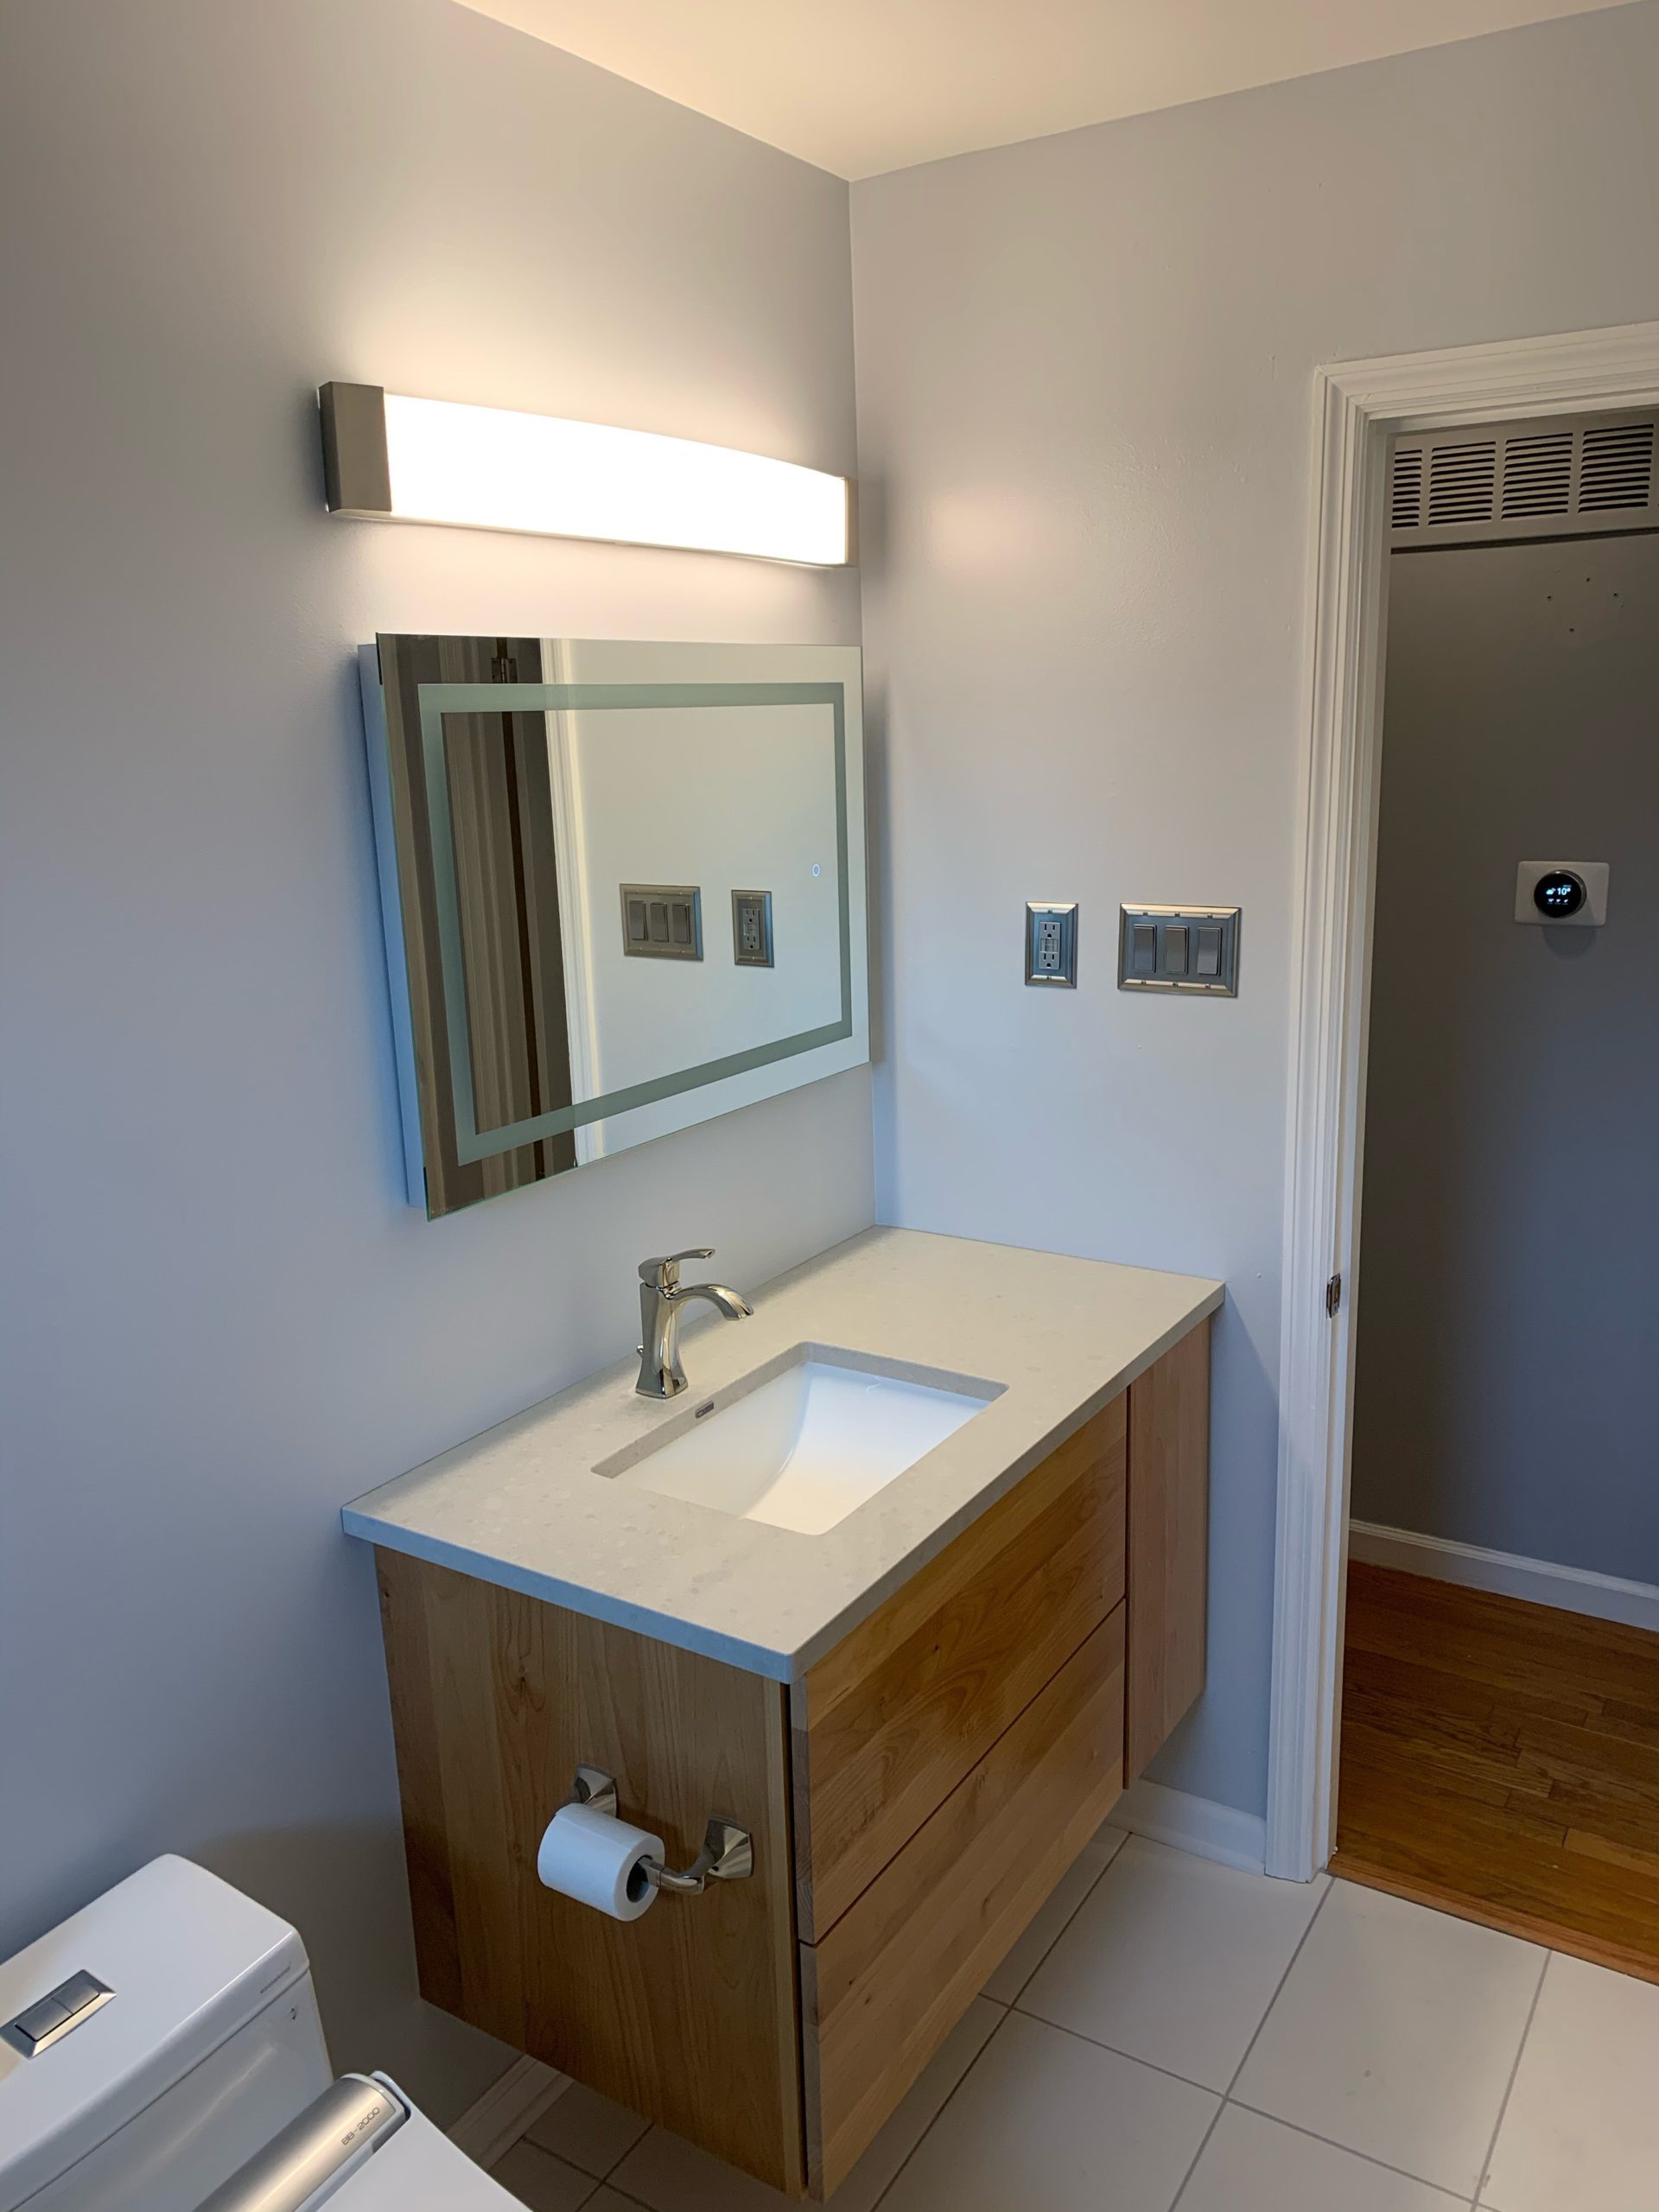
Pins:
x: 752, y: 928
x: 1051, y: 945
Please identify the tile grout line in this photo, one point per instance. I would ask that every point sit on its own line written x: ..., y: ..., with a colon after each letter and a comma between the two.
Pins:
x: 1058, y: 2027
x: 1278, y: 1990
x: 1225, y: 2098
x: 1484, y: 2175
x: 1365, y: 2157
x: 1011, y: 2003
x: 944, y: 2107
x: 1192, y: 2164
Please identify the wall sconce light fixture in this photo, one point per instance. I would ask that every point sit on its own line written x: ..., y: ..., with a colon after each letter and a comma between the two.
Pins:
x: 388, y: 458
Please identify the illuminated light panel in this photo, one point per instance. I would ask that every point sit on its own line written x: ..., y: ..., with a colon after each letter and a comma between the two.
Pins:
x: 490, y: 468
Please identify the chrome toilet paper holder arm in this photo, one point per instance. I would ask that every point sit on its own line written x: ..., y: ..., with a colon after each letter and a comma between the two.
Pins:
x: 727, y: 1853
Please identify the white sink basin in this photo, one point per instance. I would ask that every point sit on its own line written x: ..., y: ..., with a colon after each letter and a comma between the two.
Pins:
x: 805, y: 1438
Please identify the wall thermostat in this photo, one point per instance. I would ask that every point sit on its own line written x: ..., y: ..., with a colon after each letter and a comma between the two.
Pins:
x: 1569, y: 893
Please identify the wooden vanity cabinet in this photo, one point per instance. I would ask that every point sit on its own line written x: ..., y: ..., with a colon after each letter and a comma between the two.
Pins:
x: 913, y: 1800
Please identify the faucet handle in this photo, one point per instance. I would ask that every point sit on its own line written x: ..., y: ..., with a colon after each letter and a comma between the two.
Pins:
x: 665, y: 1274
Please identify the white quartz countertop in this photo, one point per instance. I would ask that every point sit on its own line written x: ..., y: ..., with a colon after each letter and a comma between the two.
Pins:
x: 521, y: 1506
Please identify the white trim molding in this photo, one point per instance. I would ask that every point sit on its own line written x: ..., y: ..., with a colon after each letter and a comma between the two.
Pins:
x: 488, y: 2129
x: 1194, y: 1824
x: 1358, y: 407
x: 1540, y: 1581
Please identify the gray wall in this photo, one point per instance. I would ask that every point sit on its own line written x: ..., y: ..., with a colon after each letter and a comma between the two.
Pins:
x: 1085, y: 431
x: 1507, y: 1296
x: 222, y: 1319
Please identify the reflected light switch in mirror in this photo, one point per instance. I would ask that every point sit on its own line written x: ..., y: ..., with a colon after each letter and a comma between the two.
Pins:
x: 662, y: 921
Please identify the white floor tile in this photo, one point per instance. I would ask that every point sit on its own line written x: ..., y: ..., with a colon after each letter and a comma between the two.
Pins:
x: 672, y: 2176
x: 1174, y: 1960
x: 1394, y: 2034
x: 1034, y: 1946
x: 541, y: 2182
x: 1048, y: 2123
x: 1253, y: 2164
x: 1582, y: 2126
x: 590, y: 2130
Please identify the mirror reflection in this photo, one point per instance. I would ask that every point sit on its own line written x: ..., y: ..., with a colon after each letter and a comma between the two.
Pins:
x: 624, y: 891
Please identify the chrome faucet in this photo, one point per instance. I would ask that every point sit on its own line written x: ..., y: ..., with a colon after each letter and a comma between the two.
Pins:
x: 661, y: 1297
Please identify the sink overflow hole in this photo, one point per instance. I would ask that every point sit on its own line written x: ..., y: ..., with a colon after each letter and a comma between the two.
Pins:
x: 709, y: 1408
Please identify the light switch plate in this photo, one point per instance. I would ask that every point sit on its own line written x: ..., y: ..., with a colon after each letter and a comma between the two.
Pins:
x: 1051, y: 943
x: 1193, y: 948
x: 662, y: 921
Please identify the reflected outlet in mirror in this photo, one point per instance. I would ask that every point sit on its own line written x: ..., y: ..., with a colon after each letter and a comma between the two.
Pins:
x: 805, y: 1438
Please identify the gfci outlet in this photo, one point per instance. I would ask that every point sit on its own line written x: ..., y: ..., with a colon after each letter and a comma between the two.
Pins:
x: 1051, y: 943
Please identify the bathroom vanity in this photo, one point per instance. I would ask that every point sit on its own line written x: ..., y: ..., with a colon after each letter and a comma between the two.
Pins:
x: 921, y: 1704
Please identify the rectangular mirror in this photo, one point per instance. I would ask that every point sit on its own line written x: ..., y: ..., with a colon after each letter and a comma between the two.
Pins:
x: 622, y: 886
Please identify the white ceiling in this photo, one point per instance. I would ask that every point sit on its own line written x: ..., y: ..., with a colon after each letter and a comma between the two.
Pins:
x: 863, y: 86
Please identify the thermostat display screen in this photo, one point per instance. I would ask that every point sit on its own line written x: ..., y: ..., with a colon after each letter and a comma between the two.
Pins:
x: 1559, y: 895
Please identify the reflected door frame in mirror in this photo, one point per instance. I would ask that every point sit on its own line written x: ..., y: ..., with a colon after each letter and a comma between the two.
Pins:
x: 474, y: 794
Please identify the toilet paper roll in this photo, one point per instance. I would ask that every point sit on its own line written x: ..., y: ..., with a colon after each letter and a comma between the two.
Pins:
x: 599, y: 1861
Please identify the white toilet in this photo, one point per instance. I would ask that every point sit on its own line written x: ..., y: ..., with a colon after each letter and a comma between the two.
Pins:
x: 161, y: 2051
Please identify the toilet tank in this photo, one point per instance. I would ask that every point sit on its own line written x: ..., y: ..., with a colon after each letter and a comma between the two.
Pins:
x: 206, y: 2043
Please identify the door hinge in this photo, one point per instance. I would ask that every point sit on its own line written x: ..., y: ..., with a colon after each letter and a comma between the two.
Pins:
x: 1333, y: 1296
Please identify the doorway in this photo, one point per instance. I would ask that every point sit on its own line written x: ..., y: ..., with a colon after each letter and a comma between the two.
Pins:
x: 1499, y: 1751
x: 1359, y: 407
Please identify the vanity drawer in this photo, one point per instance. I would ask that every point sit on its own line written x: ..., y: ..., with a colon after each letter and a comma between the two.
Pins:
x: 882, y: 1990
x: 886, y: 1725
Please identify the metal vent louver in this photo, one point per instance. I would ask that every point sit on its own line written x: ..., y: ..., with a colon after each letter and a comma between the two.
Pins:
x: 1616, y: 469
x: 1538, y: 475
x: 1463, y: 482
x: 1406, y: 500
x: 1525, y: 480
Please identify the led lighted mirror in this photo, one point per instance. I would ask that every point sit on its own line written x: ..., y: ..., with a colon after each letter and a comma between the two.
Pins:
x: 623, y: 887
x: 390, y: 458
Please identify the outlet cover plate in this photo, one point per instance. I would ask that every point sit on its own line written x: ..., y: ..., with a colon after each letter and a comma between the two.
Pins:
x: 752, y: 929
x: 1051, y: 943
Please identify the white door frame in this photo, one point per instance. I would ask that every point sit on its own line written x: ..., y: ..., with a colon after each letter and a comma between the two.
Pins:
x: 1359, y: 406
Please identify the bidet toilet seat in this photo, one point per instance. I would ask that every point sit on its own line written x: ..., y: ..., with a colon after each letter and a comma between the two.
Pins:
x: 163, y: 2047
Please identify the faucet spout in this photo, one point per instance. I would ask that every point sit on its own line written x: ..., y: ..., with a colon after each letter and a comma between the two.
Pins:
x: 662, y: 1296
x: 732, y: 1303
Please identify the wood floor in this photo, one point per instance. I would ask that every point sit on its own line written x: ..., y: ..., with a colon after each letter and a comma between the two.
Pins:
x: 1501, y: 1760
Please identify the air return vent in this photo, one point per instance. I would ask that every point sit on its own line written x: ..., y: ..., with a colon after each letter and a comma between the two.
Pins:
x: 1523, y: 480
x: 1616, y: 467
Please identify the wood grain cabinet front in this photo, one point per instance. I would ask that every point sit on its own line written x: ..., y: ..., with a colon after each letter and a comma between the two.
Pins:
x: 912, y: 1801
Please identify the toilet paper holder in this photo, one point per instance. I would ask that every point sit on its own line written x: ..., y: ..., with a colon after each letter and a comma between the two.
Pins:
x: 727, y: 1853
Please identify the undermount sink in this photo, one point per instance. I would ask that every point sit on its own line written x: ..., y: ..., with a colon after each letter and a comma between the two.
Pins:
x: 805, y: 1438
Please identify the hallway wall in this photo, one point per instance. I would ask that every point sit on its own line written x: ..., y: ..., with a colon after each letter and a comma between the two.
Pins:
x: 1506, y: 1284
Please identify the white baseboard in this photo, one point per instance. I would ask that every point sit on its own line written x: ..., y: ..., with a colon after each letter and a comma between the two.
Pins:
x: 489, y: 2128
x: 1194, y: 1824
x: 1570, y: 1589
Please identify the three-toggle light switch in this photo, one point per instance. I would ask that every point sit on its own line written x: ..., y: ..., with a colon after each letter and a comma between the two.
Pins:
x: 1179, y: 949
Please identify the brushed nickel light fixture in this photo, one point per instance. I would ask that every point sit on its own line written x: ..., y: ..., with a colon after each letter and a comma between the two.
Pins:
x: 390, y: 457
